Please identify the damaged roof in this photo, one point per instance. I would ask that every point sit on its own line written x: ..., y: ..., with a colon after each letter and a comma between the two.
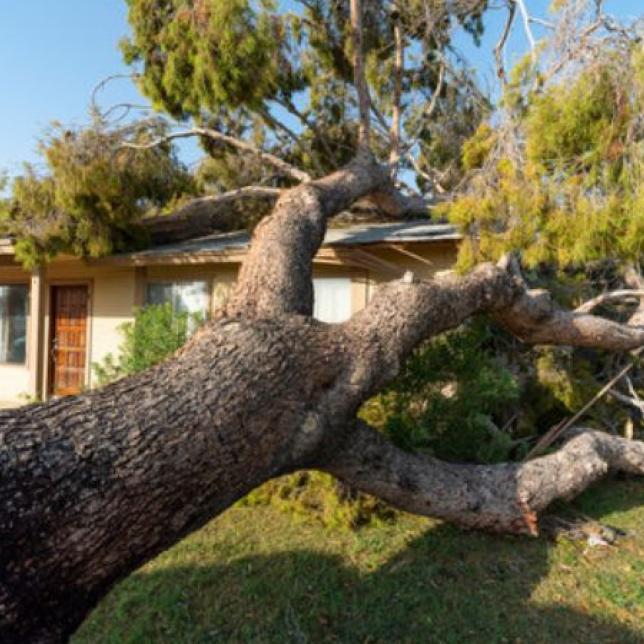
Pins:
x: 418, y: 231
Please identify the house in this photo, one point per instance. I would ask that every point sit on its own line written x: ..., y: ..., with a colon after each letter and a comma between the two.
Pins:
x: 59, y: 319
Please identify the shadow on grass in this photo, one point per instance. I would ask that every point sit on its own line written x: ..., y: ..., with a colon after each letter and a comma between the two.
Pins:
x: 445, y: 586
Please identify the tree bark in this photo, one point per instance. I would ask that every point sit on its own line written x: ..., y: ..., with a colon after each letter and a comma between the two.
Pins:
x: 498, y: 498
x: 93, y: 486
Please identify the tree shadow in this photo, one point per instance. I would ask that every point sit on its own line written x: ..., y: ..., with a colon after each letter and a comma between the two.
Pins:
x: 446, y: 586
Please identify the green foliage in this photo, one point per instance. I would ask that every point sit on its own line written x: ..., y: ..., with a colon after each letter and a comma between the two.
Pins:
x: 320, y: 495
x: 205, y: 54
x: 93, y: 195
x: 441, y: 405
x: 564, y: 183
x: 213, y: 59
x: 156, y: 333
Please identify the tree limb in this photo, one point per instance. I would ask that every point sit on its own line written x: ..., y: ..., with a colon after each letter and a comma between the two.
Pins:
x: 358, y: 73
x: 527, y: 28
x: 204, y: 215
x: 276, y: 277
x: 403, y: 313
x: 399, y: 70
x: 611, y: 296
x: 499, y: 498
x: 286, y: 168
x: 498, y: 49
x: 289, y: 106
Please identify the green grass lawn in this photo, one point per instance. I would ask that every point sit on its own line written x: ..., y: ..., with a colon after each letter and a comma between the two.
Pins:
x: 258, y: 575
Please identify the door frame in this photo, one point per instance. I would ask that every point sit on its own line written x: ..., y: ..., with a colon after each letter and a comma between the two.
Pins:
x: 49, y: 321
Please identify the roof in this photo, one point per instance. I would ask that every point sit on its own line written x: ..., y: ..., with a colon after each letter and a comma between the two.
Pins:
x: 419, y: 231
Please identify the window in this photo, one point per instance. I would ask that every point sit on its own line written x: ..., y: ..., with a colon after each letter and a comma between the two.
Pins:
x: 13, y: 323
x: 332, y: 301
x: 185, y: 297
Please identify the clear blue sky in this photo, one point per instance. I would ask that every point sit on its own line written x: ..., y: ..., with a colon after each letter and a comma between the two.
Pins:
x: 53, y: 52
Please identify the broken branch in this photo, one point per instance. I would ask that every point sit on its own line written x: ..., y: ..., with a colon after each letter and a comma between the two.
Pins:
x: 281, y: 165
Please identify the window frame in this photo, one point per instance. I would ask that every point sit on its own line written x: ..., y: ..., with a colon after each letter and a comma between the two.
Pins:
x: 27, y: 287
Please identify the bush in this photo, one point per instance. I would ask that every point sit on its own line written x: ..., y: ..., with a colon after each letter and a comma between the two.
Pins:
x: 156, y: 333
x: 451, y: 400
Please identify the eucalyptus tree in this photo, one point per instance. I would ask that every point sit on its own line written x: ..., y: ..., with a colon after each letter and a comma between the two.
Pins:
x: 92, y: 486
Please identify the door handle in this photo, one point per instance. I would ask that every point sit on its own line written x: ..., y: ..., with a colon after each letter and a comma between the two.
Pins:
x: 54, y: 346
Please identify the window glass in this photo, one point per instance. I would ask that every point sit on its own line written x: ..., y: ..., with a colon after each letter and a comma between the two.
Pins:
x: 158, y: 293
x: 13, y: 323
x: 188, y: 297
x: 191, y: 297
x: 332, y: 301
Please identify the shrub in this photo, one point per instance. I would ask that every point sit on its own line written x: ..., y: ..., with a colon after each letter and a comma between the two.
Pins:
x: 156, y: 333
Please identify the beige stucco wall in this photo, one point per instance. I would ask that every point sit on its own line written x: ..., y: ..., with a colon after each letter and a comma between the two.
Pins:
x: 14, y: 383
x: 116, y: 291
x: 437, y: 256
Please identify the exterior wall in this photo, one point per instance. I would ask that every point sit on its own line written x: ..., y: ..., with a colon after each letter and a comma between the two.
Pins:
x: 14, y: 383
x: 116, y: 291
x: 437, y: 256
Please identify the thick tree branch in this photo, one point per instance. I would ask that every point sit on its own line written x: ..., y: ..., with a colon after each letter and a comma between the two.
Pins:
x: 499, y: 498
x: 204, y: 215
x: 404, y: 313
x: 276, y: 277
x: 285, y: 168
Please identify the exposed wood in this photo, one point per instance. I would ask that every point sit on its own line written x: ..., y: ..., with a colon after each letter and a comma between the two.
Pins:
x: 405, y: 251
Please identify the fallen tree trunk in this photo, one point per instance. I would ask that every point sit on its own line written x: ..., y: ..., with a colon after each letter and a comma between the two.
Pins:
x: 93, y: 486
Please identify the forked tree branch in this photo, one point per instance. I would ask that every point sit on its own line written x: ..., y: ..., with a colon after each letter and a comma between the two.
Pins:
x: 404, y: 313
x: 499, y: 498
x: 285, y: 168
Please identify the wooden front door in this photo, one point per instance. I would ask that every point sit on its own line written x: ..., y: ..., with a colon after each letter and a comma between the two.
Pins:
x: 68, y: 339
